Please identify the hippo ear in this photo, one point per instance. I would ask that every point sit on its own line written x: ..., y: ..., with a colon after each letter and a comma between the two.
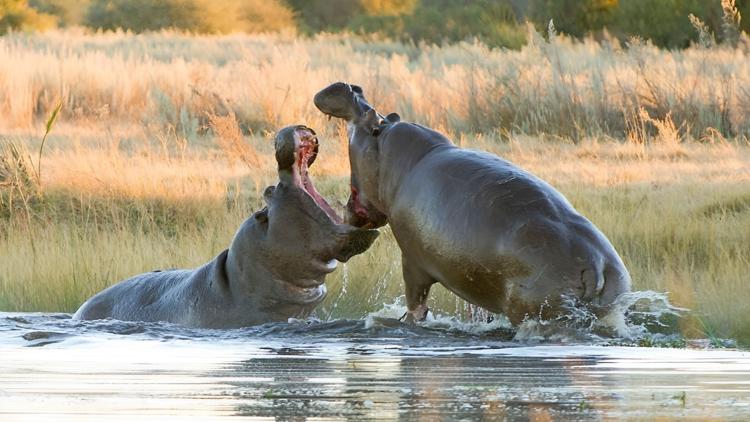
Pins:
x: 393, y: 118
x: 261, y: 216
x: 371, y: 121
x: 357, y: 89
x: 356, y: 242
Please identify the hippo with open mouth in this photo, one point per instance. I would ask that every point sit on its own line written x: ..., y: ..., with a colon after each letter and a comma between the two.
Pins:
x: 492, y: 233
x: 274, y: 269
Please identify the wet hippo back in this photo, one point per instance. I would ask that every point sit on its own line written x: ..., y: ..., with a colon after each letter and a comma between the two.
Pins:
x: 154, y: 296
x: 499, y: 232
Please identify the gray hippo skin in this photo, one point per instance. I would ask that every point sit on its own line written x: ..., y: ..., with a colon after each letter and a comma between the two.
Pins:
x: 273, y: 270
x: 492, y: 233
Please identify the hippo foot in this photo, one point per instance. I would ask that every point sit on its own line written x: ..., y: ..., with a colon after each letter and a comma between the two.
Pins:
x: 413, y: 317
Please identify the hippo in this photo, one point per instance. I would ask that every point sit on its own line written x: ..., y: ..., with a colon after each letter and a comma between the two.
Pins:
x: 274, y: 269
x: 490, y: 232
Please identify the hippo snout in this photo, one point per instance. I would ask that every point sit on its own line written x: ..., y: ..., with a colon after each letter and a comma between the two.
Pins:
x: 336, y: 100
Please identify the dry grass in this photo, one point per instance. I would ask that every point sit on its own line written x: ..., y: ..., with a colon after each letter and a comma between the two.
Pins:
x: 163, y: 148
x: 173, y: 82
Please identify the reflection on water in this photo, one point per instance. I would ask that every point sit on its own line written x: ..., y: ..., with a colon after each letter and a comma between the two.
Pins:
x: 373, y: 368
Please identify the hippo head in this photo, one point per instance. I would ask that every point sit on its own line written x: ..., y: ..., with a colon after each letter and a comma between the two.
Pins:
x: 364, y: 125
x: 300, y: 226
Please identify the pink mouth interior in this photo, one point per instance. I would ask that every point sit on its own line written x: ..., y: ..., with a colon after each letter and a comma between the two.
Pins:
x: 306, y: 149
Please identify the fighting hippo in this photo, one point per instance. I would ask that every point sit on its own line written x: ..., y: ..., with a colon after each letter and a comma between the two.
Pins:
x: 490, y: 232
x: 273, y: 270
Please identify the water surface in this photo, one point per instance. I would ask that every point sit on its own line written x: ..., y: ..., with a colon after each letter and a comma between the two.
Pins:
x: 52, y: 367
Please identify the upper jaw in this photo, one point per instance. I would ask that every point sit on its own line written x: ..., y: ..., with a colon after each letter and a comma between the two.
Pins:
x: 338, y: 100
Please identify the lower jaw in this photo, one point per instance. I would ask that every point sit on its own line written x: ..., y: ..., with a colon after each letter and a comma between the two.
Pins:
x: 361, y: 222
x: 304, y: 296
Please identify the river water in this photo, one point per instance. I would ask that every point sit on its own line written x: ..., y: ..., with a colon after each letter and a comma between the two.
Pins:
x: 55, y: 368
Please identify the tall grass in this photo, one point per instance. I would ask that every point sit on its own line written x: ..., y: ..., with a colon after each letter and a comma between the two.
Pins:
x: 163, y: 148
x: 557, y: 88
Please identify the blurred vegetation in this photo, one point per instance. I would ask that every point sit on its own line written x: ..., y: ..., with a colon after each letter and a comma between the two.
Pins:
x: 325, y: 15
x: 67, y: 12
x: 497, y: 23
x: 201, y: 16
x: 18, y: 15
x: 491, y: 21
x: 665, y: 22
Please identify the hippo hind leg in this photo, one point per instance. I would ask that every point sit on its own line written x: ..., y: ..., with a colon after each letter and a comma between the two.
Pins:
x: 417, y: 285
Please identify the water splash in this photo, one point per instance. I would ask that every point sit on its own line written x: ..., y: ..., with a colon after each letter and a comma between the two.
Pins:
x: 637, y: 317
x: 480, y: 323
x: 639, y: 313
x: 342, y: 292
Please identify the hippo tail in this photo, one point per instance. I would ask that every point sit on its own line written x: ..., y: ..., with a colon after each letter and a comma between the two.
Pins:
x: 593, y: 282
x: 604, y: 282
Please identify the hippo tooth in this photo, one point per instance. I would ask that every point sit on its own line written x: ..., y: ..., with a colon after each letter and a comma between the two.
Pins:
x: 332, y: 264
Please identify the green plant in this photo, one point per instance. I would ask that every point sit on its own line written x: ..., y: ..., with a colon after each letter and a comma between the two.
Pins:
x: 47, y: 128
x: 19, y: 189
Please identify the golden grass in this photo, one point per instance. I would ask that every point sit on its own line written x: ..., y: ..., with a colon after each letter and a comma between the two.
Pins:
x: 148, y: 169
x: 168, y: 81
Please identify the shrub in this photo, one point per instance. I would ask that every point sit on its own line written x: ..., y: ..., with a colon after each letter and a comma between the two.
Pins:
x: 201, y: 16
x: 667, y: 22
x: 573, y: 17
x: 389, y: 7
x: 17, y: 15
x: 266, y: 16
x: 67, y: 12
x: 325, y: 15
x: 435, y: 21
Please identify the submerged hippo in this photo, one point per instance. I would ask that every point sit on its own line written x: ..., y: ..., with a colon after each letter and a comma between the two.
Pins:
x: 492, y: 233
x: 273, y: 270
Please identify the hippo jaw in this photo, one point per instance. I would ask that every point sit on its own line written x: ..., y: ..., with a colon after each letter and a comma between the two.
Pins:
x: 341, y: 100
x: 305, y: 153
x: 296, y: 150
x: 348, y: 102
